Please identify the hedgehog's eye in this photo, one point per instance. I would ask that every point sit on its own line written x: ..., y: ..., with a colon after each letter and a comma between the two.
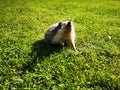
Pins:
x: 64, y: 24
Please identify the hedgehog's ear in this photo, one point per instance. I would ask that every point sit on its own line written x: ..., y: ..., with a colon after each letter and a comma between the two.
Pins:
x: 60, y: 24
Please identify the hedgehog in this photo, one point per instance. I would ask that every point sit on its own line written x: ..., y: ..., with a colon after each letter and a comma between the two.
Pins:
x: 60, y: 33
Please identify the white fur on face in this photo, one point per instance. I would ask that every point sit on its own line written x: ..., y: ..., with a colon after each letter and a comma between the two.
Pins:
x: 57, y: 38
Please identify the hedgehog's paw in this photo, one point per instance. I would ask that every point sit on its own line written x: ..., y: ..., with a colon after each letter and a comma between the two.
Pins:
x: 62, y: 43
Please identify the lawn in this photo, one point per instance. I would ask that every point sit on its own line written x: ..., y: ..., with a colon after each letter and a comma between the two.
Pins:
x: 26, y: 62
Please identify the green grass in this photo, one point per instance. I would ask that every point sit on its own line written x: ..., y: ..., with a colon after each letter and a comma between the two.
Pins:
x: 26, y: 62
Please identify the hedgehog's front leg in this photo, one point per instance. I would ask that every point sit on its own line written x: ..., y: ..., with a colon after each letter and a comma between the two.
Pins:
x: 73, y: 45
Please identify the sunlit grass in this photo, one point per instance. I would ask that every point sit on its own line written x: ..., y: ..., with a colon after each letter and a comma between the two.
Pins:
x: 26, y: 62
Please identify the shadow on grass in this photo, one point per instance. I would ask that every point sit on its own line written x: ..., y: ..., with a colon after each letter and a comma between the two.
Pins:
x: 40, y: 50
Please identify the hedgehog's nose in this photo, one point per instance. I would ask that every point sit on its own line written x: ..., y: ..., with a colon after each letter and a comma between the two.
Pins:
x: 69, y: 22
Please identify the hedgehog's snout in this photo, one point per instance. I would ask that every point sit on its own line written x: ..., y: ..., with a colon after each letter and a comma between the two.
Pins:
x: 69, y: 23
